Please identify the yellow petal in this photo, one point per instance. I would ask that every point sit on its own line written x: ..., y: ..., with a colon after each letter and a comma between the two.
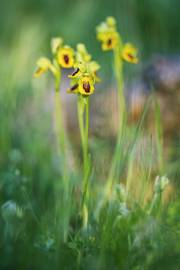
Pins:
x: 56, y: 43
x: 111, y: 21
x: 38, y: 72
x: 43, y: 64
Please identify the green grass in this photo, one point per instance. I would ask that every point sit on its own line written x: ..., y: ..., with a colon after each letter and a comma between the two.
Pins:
x: 136, y: 229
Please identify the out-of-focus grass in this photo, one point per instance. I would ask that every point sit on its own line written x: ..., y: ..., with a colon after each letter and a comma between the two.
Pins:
x: 125, y: 234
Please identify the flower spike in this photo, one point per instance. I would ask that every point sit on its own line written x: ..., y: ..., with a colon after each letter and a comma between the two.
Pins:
x: 84, y: 76
x: 110, y: 39
x: 107, y: 34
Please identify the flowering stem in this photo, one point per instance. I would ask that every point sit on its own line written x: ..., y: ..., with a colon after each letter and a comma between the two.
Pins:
x: 80, y: 109
x: 83, y: 108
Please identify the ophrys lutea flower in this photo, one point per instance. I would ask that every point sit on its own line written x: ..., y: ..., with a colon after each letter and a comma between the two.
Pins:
x: 129, y: 53
x: 84, y: 75
x: 66, y: 57
x: 43, y: 65
x: 86, y: 84
x: 63, y: 57
x: 107, y: 34
x: 83, y: 81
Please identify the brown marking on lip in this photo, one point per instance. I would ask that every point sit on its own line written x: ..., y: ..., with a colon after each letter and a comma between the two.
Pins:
x: 66, y: 59
x: 109, y: 42
x: 86, y: 87
x: 75, y: 72
x: 74, y: 87
x: 38, y: 71
x: 131, y: 57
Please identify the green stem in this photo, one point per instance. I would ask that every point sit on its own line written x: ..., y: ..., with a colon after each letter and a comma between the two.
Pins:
x: 83, y: 107
x: 86, y: 161
x: 80, y: 109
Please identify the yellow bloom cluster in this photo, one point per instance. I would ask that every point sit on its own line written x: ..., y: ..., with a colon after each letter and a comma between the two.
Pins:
x: 110, y: 39
x: 63, y: 56
x: 85, y: 74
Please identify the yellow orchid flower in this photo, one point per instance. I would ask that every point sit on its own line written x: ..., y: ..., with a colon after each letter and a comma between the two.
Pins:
x: 107, y: 34
x: 84, y: 75
x: 43, y: 65
x: 109, y: 41
x: 87, y: 73
x: 92, y: 67
x: 129, y: 53
x: 66, y: 57
x: 86, y: 85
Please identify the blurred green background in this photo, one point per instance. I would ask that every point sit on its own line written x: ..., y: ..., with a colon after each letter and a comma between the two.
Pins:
x: 153, y: 24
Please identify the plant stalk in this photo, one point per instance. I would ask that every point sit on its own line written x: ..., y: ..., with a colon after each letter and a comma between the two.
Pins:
x: 83, y: 114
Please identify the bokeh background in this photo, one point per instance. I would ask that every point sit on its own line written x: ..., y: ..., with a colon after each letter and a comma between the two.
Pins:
x: 28, y: 163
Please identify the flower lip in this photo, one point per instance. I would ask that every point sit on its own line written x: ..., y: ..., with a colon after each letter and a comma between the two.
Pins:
x: 86, y: 87
x: 130, y: 56
x: 66, y: 59
x: 109, y: 42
